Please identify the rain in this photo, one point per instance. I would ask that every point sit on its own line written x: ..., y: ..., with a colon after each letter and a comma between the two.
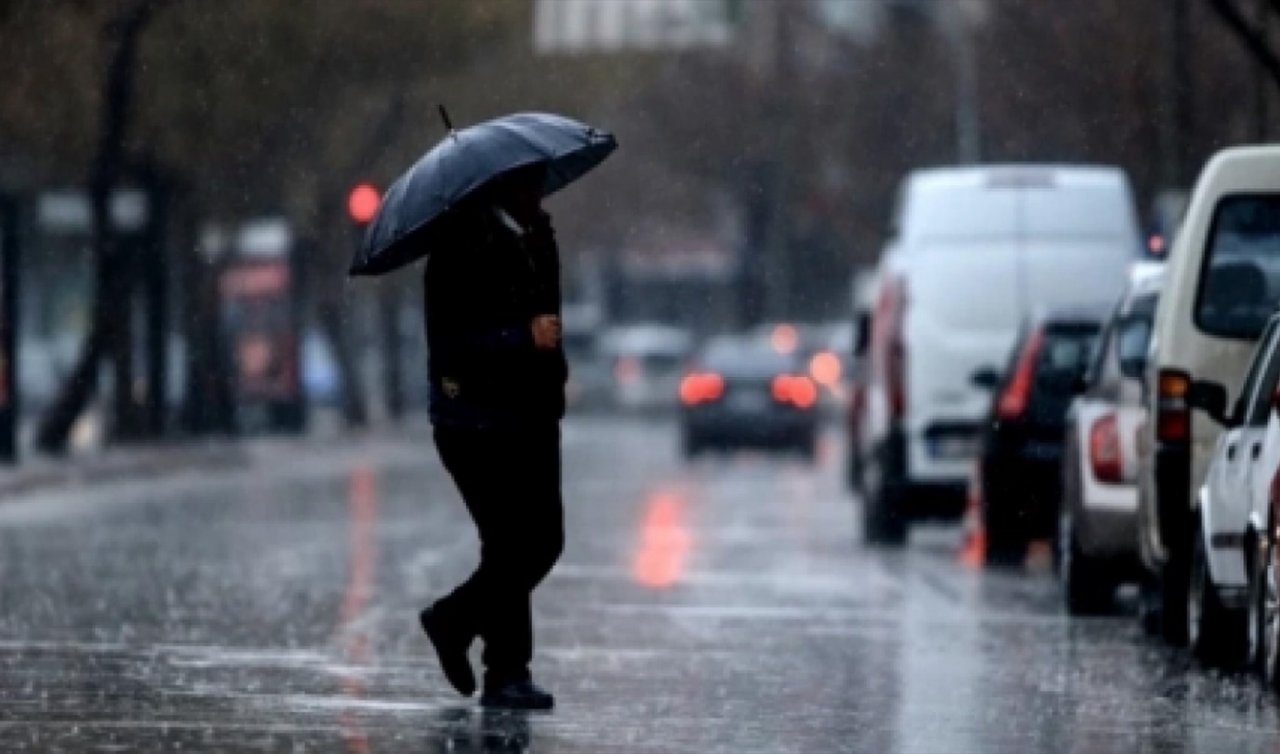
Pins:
x: 640, y: 376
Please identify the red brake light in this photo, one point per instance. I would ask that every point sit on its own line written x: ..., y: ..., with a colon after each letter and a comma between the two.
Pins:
x: 797, y: 390
x: 701, y: 387
x: 1173, y: 416
x: 1013, y: 401
x: 1104, y: 450
x: 784, y: 338
x: 824, y: 367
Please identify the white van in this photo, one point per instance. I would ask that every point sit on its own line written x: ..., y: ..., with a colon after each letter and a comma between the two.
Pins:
x: 1223, y: 285
x: 973, y: 253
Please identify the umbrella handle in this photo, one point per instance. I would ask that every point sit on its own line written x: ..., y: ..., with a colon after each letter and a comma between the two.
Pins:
x: 444, y: 116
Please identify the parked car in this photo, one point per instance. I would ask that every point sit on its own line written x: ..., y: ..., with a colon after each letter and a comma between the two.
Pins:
x: 1020, y: 460
x: 1264, y: 603
x: 646, y: 361
x: 1232, y: 505
x: 1097, y: 541
x: 1223, y: 284
x: 740, y: 392
x: 972, y: 253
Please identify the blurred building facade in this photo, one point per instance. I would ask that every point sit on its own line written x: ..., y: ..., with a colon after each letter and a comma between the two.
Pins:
x: 579, y: 26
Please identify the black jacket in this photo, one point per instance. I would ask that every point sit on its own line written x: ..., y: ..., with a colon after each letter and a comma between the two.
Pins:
x: 483, y: 286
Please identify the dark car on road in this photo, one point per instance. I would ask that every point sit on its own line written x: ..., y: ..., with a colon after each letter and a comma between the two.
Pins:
x: 1020, y: 459
x: 746, y: 393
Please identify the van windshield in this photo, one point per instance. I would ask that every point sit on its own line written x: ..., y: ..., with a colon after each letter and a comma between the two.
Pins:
x: 1239, y: 287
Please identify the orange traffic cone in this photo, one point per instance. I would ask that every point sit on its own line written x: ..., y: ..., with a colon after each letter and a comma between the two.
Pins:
x: 973, y: 546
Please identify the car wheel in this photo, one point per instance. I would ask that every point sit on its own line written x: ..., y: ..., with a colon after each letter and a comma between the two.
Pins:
x: 1085, y: 586
x: 883, y: 522
x: 1214, y: 633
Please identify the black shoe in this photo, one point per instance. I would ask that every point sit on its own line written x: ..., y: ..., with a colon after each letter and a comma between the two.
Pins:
x: 522, y: 695
x: 451, y: 648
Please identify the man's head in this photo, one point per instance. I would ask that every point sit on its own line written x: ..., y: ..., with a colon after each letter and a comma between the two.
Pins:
x: 519, y: 191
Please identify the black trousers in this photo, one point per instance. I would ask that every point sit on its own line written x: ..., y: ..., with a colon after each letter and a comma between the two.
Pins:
x: 510, y: 481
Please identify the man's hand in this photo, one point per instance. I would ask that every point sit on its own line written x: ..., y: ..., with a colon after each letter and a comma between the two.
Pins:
x: 546, y: 331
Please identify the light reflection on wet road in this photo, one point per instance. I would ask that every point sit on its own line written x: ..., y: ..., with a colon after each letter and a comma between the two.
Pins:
x: 723, y: 607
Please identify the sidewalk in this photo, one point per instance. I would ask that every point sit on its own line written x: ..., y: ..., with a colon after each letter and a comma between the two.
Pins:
x: 115, y: 464
x: 125, y: 463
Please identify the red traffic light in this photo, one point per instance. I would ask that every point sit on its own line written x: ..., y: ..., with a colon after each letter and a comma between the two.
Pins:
x: 363, y: 203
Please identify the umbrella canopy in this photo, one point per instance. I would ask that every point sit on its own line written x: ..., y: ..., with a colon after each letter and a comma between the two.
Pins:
x: 465, y: 161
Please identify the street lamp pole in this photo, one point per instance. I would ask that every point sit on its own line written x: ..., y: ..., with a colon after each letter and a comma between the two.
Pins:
x: 958, y: 29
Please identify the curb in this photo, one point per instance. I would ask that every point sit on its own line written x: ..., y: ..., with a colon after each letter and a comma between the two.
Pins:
x: 120, y: 464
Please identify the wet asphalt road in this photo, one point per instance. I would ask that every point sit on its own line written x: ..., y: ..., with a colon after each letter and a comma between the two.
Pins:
x: 720, y: 607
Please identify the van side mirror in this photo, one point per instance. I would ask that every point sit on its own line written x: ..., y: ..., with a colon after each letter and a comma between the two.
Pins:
x: 986, y: 378
x: 1211, y: 398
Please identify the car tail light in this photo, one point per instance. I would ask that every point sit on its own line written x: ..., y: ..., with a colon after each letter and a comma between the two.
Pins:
x: 1173, y: 416
x: 1017, y: 394
x: 1104, y: 450
x: 796, y: 390
x: 701, y: 387
x: 784, y: 338
x: 824, y: 368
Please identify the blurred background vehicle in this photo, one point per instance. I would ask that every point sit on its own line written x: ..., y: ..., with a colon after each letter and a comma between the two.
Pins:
x: 1097, y: 546
x: 824, y: 350
x: 1231, y: 506
x: 590, y: 380
x: 972, y: 251
x: 1223, y: 284
x: 829, y: 360
x: 1020, y: 455
x: 740, y: 392
x: 645, y: 362
x: 863, y: 299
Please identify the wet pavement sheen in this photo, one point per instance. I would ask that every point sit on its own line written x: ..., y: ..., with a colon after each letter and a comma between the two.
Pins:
x: 725, y: 606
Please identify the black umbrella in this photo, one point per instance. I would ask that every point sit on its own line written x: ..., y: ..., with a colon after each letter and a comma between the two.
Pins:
x: 462, y: 163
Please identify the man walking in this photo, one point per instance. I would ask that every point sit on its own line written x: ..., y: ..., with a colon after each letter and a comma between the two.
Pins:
x: 497, y: 372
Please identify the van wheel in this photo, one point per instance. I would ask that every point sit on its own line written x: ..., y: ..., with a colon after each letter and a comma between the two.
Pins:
x: 883, y: 522
x: 1215, y: 634
x: 1085, y: 585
